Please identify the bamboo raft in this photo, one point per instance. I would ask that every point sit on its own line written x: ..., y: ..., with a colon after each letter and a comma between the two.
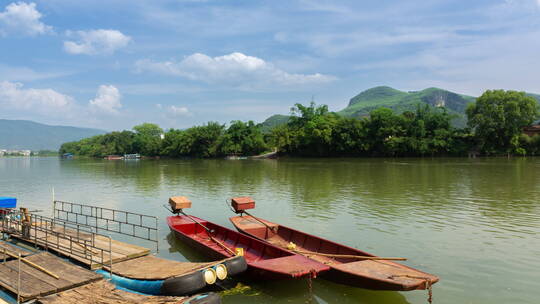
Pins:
x: 153, y: 268
x: 105, y: 292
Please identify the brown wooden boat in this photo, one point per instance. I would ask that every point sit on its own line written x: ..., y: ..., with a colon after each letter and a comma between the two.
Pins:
x: 264, y: 261
x: 344, y: 268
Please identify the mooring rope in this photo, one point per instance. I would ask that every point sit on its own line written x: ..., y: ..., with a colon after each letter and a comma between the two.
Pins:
x: 429, y: 284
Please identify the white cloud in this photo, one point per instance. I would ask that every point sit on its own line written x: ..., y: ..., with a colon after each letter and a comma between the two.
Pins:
x: 235, y: 68
x: 22, y: 18
x: 18, y: 73
x: 107, y: 100
x: 538, y: 2
x: 96, y: 42
x: 44, y: 101
x: 179, y: 111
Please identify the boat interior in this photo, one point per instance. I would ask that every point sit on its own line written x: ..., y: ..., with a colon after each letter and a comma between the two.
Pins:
x: 253, y: 249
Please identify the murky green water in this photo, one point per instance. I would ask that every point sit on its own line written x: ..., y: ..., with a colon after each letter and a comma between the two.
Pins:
x: 475, y: 223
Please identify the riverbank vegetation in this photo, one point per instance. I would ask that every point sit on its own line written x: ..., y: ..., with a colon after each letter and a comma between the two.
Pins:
x: 495, y: 123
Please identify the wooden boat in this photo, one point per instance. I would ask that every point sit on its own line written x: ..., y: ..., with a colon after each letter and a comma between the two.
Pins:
x: 264, y: 261
x: 344, y: 267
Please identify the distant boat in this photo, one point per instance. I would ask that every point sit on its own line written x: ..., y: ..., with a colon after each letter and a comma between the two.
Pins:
x: 235, y: 157
x: 67, y: 155
x: 132, y: 156
x: 113, y: 157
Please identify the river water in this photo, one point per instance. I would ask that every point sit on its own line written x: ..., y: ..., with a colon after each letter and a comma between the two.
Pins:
x: 473, y: 222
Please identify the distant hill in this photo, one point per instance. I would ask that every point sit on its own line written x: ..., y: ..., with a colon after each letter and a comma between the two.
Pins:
x: 274, y: 121
x: 399, y: 101
x: 24, y: 134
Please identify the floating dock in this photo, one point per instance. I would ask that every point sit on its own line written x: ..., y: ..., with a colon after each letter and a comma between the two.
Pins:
x: 34, y: 282
x: 93, y: 250
x: 80, y: 233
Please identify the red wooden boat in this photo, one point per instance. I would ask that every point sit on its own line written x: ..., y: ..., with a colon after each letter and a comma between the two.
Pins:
x: 265, y: 261
x: 364, y: 273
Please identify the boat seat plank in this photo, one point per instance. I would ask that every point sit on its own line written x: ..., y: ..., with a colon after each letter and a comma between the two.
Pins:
x: 294, y: 264
x: 385, y: 270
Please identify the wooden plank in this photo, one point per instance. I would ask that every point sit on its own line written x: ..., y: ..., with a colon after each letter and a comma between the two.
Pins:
x: 67, y: 271
x: 35, y: 282
x: 13, y: 249
x: 121, y: 251
x: 30, y: 286
x: 105, y: 292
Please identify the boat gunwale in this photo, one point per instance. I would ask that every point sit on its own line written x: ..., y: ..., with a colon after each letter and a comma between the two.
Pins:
x: 386, y: 280
x: 251, y: 262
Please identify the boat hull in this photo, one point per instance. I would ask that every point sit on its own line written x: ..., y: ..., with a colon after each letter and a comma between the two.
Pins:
x: 369, y: 274
x: 264, y: 261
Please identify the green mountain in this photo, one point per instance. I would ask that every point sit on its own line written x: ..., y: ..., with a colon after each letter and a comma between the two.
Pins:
x: 399, y: 101
x: 273, y: 121
x: 24, y: 134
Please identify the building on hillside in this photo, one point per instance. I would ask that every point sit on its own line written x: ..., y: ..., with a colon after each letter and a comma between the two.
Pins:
x: 532, y: 130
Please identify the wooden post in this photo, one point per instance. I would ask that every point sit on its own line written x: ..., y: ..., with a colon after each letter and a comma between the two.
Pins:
x: 19, y: 279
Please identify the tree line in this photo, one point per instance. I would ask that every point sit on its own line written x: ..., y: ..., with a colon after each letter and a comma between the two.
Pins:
x: 495, y: 123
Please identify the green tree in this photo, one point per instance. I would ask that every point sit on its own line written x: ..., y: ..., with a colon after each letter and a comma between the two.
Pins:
x: 199, y: 141
x: 147, y: 140
x: 241, y: 139
x: 498, y: 117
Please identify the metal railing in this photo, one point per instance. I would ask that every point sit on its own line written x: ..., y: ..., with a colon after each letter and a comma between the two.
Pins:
x: 67, y: 238
x: 132, y: 224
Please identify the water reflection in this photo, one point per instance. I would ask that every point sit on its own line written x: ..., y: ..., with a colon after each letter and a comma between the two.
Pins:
x: 474, y: 222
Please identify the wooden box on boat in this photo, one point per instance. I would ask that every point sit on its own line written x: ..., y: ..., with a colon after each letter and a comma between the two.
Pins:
x: 242, y: 203
x: 179, y: 202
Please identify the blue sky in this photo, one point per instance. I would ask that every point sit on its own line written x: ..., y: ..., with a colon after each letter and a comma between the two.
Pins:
x: 114, y: 64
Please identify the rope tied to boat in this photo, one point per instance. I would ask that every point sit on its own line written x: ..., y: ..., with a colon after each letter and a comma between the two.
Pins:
x: 312, y: 275
x: 429, y: 283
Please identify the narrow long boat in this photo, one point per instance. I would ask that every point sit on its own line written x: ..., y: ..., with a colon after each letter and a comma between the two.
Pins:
x: 346, y: 264
x: 264, y: 260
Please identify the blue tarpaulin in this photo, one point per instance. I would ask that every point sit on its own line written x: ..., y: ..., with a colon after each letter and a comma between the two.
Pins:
x: 8, y: 202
